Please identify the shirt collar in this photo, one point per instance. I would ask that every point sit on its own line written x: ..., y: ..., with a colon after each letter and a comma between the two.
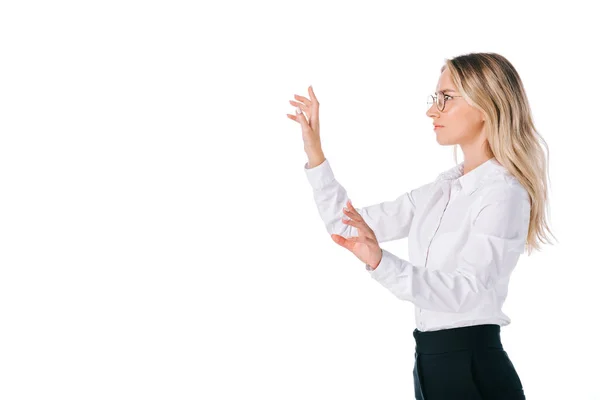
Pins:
x: 475, y: 178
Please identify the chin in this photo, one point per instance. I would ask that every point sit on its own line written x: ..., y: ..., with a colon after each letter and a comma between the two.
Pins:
x: 445, y: 141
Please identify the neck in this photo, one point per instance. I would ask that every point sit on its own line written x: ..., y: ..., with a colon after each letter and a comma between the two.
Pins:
x: 474, y: 157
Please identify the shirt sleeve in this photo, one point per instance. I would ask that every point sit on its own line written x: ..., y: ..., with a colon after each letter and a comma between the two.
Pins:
x: 389, y: 220
x: 496, y: 240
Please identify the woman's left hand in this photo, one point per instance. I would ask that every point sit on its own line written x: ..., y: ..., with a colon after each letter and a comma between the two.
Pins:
x: 365, y: 245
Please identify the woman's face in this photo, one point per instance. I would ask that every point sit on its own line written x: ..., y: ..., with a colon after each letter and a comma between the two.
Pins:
x: 460, y: 123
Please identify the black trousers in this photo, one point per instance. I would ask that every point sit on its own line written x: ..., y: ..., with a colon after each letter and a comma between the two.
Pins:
x: 465, y: 363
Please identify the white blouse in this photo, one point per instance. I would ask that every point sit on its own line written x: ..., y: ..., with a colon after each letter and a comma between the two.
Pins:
x: 465, y: 235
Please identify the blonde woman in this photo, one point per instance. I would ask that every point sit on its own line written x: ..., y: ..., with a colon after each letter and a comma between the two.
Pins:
x: 466, y: 229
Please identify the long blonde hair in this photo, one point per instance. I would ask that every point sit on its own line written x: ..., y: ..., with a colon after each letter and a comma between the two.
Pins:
x: 490, y: 83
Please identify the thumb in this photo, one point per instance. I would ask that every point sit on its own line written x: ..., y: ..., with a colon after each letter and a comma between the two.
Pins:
x: 339, y: 240
x: 301, y: 117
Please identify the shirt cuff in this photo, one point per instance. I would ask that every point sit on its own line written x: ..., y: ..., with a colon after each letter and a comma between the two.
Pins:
x: 385, y: 265
x: 320, y: 175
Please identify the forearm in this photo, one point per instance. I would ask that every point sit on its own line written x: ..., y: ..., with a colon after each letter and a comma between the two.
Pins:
x: 315, y: 155
x: 457, y: 291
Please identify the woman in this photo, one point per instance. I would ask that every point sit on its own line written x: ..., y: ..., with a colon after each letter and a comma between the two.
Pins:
x: 466, y: 229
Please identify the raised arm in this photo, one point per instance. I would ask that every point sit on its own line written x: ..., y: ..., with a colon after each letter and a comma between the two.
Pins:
x: 389, y: 220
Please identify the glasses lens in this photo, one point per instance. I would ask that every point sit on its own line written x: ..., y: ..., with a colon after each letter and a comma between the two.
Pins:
x: 440, y: 101
x: 431, y: 100
x: 437, y: 100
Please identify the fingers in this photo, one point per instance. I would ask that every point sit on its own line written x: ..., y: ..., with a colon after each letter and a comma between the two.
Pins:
x: 349, y: 204
x: 298, y: 113
x: 352, y: 211
x: 356, y: 220
x: 360, y: 225
x: 350, y: 222
x: 309, y: 108
x: 311, y: 93
x: 300, y: 118
x: 303, y: 99
x: 302, y: 106
x: 307, y: 102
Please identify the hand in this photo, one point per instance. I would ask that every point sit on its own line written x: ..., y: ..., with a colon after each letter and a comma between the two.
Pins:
x: 310, y: 128
x: 365, y: 245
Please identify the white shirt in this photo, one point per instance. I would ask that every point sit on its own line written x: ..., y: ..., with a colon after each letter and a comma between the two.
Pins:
x: 465, y: 235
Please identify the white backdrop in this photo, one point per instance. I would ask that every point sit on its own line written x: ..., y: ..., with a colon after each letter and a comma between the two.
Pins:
x: 158, y: 236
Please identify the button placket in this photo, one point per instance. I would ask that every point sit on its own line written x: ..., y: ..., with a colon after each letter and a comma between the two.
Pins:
x: 449, y: 193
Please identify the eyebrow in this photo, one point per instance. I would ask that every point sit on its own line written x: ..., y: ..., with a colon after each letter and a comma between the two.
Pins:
x: 447, y: 90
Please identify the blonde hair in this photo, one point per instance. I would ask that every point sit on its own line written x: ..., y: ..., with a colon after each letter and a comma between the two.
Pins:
x: 490, y: 83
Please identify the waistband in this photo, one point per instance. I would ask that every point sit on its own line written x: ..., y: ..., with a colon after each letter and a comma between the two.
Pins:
x: 456, y: 339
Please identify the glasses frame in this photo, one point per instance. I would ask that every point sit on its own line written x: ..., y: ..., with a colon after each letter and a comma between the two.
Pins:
x: 435, y: 98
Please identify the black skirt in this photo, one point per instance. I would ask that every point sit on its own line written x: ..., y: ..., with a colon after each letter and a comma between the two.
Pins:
x: 465, y: 363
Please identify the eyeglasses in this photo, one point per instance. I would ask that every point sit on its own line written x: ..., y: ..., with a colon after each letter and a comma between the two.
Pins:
x: 440, y: 101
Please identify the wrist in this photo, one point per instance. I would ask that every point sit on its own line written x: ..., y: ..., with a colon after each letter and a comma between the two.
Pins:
x: 379, y: 261
x: 313, y: 148
x: 315, y: 155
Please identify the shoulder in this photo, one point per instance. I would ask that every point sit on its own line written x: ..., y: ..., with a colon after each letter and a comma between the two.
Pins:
x: 501, y: 186
x: 503, y: 202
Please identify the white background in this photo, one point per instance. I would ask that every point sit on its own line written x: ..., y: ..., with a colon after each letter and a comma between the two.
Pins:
x: 159, y: 238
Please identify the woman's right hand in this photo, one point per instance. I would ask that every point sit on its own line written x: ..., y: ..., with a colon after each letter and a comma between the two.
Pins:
x: 310, y: 128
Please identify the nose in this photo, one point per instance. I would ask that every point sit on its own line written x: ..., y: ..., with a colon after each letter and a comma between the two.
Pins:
x: 433, y: 111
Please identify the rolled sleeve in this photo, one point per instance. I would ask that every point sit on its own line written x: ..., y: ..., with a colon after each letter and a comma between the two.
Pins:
x: 319, y: 176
